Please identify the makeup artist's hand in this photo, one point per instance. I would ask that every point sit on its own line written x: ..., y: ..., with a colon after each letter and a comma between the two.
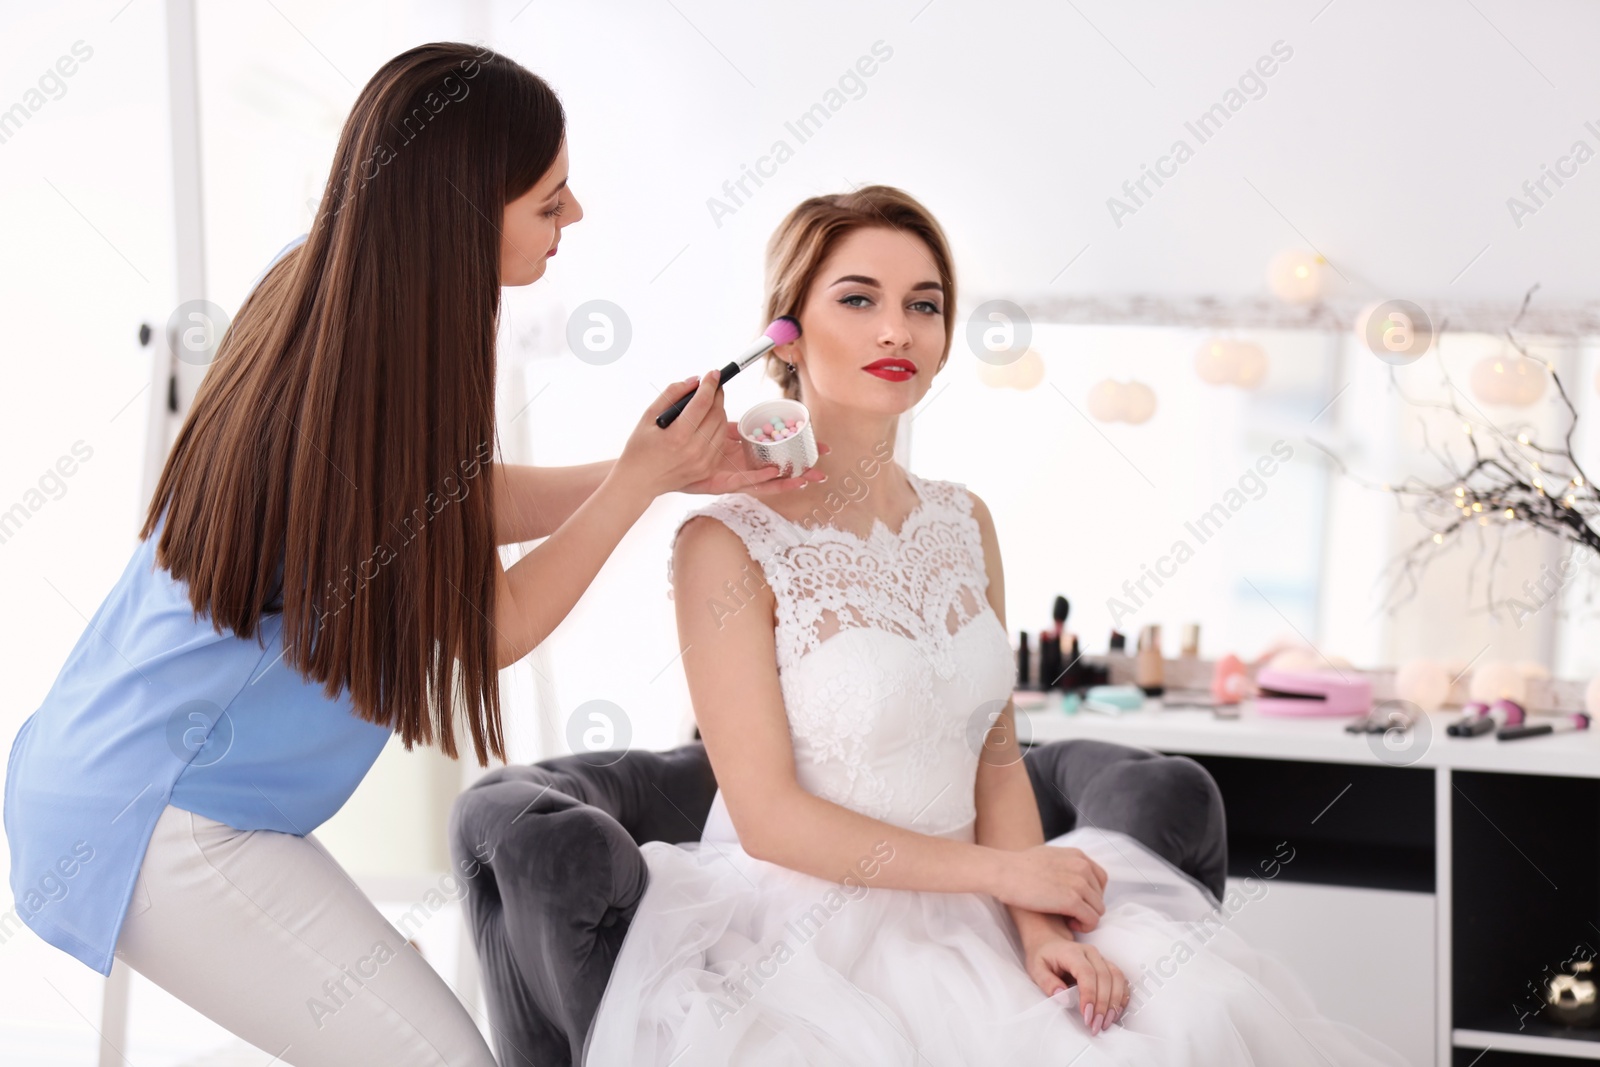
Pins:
x: 701, y: 451
x: 740, y: 475
x: 664, y: 461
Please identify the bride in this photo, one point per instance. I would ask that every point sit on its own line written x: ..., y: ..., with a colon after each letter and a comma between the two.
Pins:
x: 873, y: 885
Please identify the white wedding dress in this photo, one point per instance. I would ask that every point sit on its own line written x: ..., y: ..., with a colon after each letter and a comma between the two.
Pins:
x: 892, y: 666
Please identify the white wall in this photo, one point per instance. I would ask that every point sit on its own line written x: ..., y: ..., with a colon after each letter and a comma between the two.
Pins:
x: 1391, y: 152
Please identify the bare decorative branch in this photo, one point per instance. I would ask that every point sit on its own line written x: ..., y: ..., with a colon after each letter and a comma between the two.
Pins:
x: 1507, y: 483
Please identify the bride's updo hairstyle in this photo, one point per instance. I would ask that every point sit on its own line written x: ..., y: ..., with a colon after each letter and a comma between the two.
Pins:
x: 810, y: 233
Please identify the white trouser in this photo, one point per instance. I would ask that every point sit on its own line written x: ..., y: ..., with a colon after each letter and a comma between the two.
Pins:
x: 265, y: 934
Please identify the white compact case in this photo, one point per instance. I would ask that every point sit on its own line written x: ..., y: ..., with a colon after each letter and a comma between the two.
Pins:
x: 794, y: 454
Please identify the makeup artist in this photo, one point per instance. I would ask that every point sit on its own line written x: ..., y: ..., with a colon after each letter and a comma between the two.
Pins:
x: 317, y: 572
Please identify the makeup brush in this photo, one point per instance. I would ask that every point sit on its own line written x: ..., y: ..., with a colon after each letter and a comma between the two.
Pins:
x: 784, y: 328
x: 1577, y: 721
x: 1479, y: 718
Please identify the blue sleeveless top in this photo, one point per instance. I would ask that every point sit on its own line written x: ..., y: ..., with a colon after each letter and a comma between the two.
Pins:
x: 154, y: 706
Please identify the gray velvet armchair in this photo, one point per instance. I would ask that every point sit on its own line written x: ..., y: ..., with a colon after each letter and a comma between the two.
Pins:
x: 554, y: 847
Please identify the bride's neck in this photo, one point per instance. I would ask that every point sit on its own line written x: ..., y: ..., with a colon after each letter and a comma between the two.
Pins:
x: 862, y: 473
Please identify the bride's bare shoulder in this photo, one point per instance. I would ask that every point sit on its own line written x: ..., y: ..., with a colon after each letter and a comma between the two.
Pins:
x: 712, y: 569
x: 706, y: 550
x: 975, y: 504
x: 961, y: 498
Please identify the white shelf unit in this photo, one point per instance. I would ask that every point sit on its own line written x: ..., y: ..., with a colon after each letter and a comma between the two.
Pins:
x: 1200, y: 732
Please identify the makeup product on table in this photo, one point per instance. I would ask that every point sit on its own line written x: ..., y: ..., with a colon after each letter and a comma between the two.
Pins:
x: 1147, y: 669
x: 1118, y: 643
x: 1229, y: 682
x: 1113, y: 699
x: 1478, y: 718
x: 778, y: 433
x: 1024, y: 662
x: 781, y: 331
x: 1389, y: 715
x: 1227, y: 711
x: 1074, y: 672
x: 1558, y: 725
x: 1573, y: 999
x: 1071, y: 672
x: 1474, y: 721
x: 1191, y: 641
x: 1049, y: 658
x: 1280, y: 692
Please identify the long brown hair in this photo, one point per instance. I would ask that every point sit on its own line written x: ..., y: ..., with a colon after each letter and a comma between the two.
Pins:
x: 337, y: 462
x: 808, y: 235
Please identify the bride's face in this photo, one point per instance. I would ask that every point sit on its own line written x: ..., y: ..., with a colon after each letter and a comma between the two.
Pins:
x: 877, y: 298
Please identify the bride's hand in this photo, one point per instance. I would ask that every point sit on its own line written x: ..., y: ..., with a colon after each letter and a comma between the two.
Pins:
x: 1102, y: 990
x: 1057, y: 881
x: 738, y: 475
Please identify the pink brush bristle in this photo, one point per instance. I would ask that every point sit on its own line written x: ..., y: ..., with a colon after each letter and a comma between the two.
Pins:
x: 783, y: 330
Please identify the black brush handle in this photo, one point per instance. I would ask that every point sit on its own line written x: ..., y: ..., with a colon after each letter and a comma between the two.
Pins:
x: 1476, y: 726
x: 664, y: 419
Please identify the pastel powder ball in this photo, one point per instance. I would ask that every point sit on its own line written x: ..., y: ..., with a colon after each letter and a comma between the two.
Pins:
x: 1498, y: 680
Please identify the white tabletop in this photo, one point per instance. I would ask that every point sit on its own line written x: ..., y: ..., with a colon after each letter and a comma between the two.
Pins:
x: 1186, y: 730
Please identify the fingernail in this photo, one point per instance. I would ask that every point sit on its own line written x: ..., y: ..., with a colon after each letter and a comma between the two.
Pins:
x: 1111, y: 1017
x: 1099, y: 1022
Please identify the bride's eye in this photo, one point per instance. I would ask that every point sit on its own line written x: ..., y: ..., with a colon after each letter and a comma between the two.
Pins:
x: 927, y: 306
x: 855, y: 296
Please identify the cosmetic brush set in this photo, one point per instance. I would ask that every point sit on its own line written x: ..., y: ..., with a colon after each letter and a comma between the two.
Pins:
x: 1508, y: 721
x: 776, y: 433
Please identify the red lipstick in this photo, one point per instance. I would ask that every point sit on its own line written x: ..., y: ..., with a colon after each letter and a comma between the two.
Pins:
x: 892, y: 369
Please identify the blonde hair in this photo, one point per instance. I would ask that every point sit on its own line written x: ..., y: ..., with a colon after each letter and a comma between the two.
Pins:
x: 810, y: 233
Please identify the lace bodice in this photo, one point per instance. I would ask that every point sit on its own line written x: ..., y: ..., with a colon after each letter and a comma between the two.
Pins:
x: 890, y: 659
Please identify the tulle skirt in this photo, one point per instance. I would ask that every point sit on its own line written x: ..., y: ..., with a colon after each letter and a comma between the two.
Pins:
x: 734, y: 960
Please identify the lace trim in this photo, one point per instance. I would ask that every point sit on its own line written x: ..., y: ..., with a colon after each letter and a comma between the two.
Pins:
x: 924, y: 582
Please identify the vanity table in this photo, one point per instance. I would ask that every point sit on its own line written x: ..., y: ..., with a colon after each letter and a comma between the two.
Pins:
x: 1422, y: 889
